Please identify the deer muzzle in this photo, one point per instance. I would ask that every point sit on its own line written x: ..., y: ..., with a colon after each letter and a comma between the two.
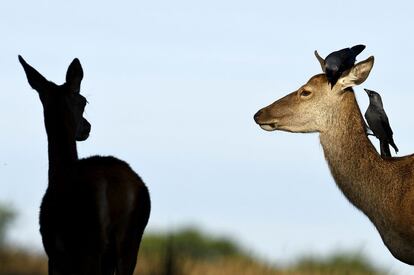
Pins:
x: 265, y: 124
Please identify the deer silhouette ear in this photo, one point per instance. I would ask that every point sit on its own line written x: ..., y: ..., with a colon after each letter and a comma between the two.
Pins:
x: 74, y: 76
x: 357, y: 74
x: 35, y: 79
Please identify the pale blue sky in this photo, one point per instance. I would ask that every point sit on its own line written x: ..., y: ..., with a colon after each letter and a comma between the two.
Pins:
x: 173, y: 86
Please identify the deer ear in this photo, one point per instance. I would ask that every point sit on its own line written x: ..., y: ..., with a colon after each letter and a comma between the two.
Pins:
x: 321, y: 60
x: 35, y: 79
x: 357, y: 74
x: 74, y: 76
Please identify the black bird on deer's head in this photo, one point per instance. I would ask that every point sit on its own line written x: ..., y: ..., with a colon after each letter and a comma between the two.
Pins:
x: 338, y: 62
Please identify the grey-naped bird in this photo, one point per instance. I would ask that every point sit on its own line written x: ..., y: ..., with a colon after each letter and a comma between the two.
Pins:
x: 338, y: 62
x: 378, y: 122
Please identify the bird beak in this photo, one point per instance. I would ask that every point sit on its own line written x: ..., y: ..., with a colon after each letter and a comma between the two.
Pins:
x: 367, y: 91
x: 332, y: 82
x: 332, y: 79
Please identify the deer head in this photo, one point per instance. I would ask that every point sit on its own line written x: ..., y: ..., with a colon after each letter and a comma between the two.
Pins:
x: 62, y: 103
x: 309, y: 108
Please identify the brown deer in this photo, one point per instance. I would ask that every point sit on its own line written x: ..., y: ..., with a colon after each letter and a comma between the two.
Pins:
x: 95, y: 210
x: 383, y: 189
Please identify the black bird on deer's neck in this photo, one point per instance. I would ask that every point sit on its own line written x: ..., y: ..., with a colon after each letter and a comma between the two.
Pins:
x: 378, y: 122
x: 338, y: 62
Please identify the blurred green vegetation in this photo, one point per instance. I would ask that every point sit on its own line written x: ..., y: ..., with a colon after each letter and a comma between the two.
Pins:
x: 338, y: 263
x: 190, y: 251
x: 7, y: 216
x: 190, y: 243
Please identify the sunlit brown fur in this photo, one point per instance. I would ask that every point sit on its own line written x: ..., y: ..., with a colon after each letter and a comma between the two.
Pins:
x: 383, y: 189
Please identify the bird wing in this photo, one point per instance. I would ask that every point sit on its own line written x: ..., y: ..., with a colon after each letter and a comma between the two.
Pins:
x: 375, y: 122
x: 388, y: 130
x: 386, y: 125
x: 348, y: 59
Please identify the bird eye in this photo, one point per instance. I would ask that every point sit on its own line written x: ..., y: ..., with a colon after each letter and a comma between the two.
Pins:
x: 305, y: 93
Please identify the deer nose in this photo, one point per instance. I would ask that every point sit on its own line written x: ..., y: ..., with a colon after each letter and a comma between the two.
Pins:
x: 257, y: 115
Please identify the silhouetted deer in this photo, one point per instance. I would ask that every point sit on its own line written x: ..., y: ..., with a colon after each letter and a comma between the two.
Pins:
x: 95, y: 210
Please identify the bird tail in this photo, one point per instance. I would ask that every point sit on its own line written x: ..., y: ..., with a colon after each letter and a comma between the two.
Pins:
x: 385, y: 149
x: 394, y: 146
x: 357, y: 49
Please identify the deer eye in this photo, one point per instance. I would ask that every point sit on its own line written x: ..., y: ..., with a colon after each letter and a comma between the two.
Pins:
x: 305, y: 93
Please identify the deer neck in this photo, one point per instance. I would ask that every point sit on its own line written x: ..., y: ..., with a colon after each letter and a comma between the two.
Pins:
x: 356, y: 166
x: 62, y: 150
